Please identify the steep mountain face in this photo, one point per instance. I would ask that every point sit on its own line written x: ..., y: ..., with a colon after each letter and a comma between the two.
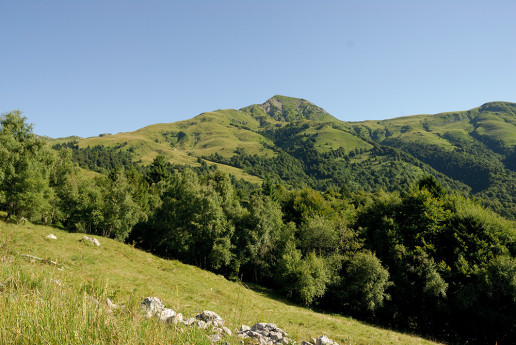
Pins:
x: 293, y: 141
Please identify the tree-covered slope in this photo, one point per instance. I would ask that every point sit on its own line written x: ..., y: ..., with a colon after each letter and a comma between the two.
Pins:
x: 476, y: 147
x: 293, y: 141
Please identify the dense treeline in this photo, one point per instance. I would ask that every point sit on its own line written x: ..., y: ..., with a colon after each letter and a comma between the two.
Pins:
x: 424, y: 260
x: 475, y: 165
x: 98, y: 158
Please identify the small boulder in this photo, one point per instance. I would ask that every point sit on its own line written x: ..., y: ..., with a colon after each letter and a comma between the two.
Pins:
x: 210, y: 317
x: 201, y: 324
x: 91, y: 239
x: 227, y: 331
x: 51, y: 236
x: 166, y: 313
x: 174, y: 320
x: 265, y: 334
x: 215, y: 338
x: 152, y: 306
x: 275, y: 336
x: 324, y: 340
x: 189, y: 322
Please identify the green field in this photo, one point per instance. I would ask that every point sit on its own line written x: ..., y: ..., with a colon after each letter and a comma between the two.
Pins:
x: 46, y: 304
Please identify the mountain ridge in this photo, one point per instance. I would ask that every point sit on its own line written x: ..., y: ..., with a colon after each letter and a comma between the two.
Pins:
x: 470, y: 151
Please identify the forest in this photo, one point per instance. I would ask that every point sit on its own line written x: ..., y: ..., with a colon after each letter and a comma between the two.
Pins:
x: 418, y: 257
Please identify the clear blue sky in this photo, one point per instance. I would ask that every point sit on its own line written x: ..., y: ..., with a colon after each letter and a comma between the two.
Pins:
x: 94, y: 66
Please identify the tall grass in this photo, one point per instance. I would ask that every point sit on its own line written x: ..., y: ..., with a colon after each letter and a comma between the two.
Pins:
x: 41, y: 303
x: 36, y: 308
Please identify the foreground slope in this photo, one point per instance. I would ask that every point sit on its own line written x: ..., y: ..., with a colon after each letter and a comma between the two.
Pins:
x: 126, y: 275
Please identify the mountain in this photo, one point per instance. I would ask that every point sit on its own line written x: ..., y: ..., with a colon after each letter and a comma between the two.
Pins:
x: 295, y: 142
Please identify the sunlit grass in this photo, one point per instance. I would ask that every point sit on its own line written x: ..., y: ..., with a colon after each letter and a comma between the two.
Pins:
x: 37, y: 310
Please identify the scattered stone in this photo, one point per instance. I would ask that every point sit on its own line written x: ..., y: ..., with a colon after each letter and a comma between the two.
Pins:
x: 110, y: 304
x: 215, y: 338
x: 152, y: 306
x: 324, y: 340
x: 91, y: 239
x: 166, y: 313
x: 265, y: 334
x: 189, y: 322
x: 210, y: 316
x: 176, y: 319
x: 51, y: 236
x: 262, y: 333
x: 201, y: 324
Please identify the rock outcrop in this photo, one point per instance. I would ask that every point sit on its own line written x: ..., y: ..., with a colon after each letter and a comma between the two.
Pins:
x: 154, y: 307
x: 207, y: 320
x: 265, y: 334
x: 260, y: 333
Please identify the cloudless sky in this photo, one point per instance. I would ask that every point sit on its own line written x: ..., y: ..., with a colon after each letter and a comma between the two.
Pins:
x: 104, y: 66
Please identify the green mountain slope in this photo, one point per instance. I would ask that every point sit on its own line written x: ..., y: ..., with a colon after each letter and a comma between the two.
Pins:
x: 476, y: 147
x: 293, y: 141
x: 42, y: 303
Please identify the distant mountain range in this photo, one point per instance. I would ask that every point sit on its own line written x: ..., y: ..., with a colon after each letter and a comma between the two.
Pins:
x: 295, y: 142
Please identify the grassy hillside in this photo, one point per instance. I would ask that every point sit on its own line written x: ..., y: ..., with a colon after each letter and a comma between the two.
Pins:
x: 43, y: 304
x: 293, y: 141
x: 489, y: 123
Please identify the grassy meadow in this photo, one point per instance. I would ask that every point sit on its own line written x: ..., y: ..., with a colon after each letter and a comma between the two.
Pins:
x: 44, y: 303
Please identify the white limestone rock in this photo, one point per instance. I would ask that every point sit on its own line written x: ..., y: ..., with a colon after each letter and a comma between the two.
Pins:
x: 176, y: 319
x: 324, y: 340
x: 211, y: 317
x: 215, y: 338
x: 152, y: 306
x: 91, y: 239
x: 166, y: 313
